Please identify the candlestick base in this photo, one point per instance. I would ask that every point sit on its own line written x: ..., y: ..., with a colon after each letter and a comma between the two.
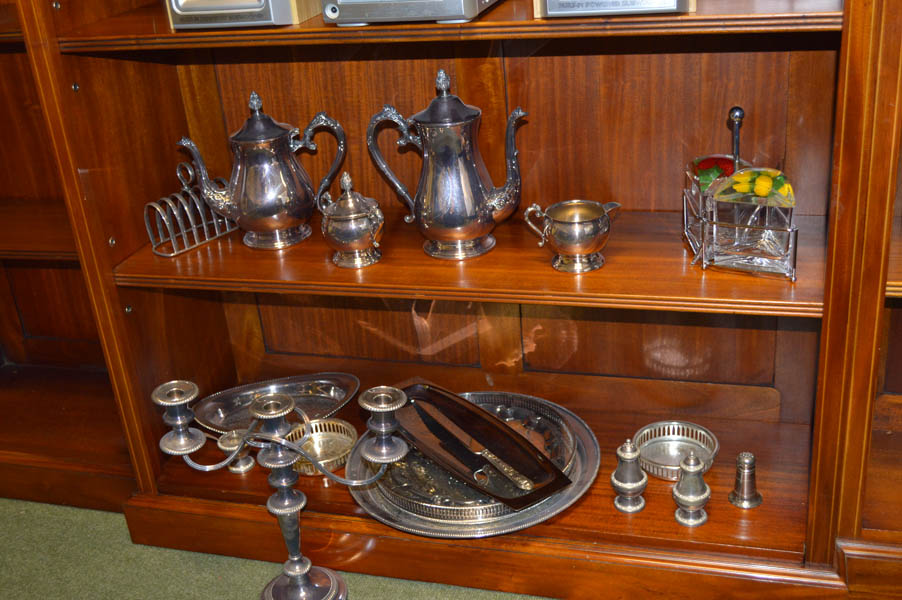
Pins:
x: 319, y: 584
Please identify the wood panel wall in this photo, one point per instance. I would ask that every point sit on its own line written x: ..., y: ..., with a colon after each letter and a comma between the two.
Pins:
x: 578, y: 141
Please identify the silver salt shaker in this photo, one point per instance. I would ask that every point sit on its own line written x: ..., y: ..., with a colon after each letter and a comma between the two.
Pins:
x: 691, y: 493
x: 629, y: 480
x: 745, y: 491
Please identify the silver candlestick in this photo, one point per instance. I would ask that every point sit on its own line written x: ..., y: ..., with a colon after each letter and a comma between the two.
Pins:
x: 299, y: 580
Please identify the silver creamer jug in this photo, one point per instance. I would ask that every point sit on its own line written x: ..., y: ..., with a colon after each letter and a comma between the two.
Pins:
x: 455, y: 205
x: 269, y: 194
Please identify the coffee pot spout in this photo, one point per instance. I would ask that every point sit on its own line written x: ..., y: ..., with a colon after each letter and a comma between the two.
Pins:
x: 219, y: 199
x: 505, y: 200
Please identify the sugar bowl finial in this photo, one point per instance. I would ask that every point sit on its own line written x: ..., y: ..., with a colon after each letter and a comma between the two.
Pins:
x: 255, y: 103
x: 442, y: 83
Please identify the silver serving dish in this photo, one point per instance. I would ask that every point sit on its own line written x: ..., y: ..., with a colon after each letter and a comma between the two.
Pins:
x: 664, y: 444
x: 319, y: 395
x: 418, y: 496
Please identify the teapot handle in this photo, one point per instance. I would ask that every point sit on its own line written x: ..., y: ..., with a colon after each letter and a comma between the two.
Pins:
x: 535, y: 208
x: 323, y: 121
x: 390, y: 113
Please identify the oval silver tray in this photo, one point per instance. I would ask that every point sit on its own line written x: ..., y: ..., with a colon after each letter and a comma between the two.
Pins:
x: 319, y: 395
x: 443, y: 507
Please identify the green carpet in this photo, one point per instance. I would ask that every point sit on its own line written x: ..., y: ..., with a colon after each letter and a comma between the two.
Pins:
x: 52, y: 552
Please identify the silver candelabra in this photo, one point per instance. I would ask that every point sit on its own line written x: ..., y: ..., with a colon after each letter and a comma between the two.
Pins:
x: 299, y: 580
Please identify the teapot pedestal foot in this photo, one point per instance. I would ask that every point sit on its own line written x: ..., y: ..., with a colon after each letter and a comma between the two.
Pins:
x: 275, y: 240
x: 356, y: 259
x: 459, y: 250
x: 579, y: 263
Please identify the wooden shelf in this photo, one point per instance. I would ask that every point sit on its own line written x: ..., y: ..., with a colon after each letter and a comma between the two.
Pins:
x: 883, y: 492
x: 774, y: 531
x: 647, y: 267
x: 60, y: 438
x: 148, y: 27
x: 894, y: 270
x: 35, y: 229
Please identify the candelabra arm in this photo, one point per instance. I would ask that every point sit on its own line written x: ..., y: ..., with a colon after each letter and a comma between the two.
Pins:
x: 229, y: 458
x: 296, y: 447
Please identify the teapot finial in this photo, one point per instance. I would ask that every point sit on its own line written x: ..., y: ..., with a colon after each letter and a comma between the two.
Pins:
x: 442, y: 83
x: 345, y: 182
x: 255, y: 103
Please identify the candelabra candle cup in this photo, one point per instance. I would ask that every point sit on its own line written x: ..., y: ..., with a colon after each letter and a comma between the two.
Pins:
x: 174, y: 396
x: 383, y: 447
x: 691, y: 493
x: 745, y: 493
x: 629, y: 480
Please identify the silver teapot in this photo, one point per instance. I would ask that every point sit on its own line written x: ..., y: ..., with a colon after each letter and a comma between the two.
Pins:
x: 352, y: 226
x: 269, y: 195
x: 455, y: 206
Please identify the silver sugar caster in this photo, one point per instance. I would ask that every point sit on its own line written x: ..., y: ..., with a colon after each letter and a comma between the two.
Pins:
x: 269, y: 194
x: 455, y: 206
x: 577, y: 230
x: 352, y: 226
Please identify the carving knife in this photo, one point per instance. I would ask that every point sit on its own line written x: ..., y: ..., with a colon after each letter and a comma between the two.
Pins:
x: 473, y: 445
x: 454, y: 448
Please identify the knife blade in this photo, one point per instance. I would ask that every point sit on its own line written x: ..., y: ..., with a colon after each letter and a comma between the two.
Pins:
x: 473, y: 445
x: 454, y: 447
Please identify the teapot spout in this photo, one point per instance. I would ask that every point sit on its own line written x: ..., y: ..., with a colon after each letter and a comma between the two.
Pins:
x: 505, y: 200
x: 219, y: 199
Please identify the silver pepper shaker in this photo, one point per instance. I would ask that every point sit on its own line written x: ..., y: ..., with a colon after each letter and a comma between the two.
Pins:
x: 745, y: 491
x: 691, y: 493
x: 629, y: 480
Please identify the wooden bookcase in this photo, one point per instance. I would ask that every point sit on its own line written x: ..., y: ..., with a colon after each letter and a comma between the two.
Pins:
x: 617, y: 106
x: 61, y: 437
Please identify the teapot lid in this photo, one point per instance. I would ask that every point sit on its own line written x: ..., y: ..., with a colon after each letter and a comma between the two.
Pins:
x: 259, y: 127
x: 350, y: 204
x: 445, y: 108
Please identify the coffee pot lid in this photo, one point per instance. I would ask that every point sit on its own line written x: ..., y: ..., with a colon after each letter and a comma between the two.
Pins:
x: 445, y: 108
x: 351, y: 203
x: 259, y: 127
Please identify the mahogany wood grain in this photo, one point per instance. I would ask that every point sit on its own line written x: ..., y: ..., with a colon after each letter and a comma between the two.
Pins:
x: 871, y: 570
x: 555, y: 569
x: 49, y: 318
x: 500, y: 340
x: 662, y: 399
x: 203, y: 111
x: 12, y: 339
x: 148, y: 27
x: 386, y: 329
x: 690, y: 347
x: 52, y: 299
x: 33, y: 219
x: 40, y: 479
x: 883, y: 491
x: 795, y: 367
x: 245, y: 334
x: 9, y: 22
x: 647, y: 266
x: 775, y: 530
x: 868, y: 119
x: 892, y: 365
x: 579, y: 141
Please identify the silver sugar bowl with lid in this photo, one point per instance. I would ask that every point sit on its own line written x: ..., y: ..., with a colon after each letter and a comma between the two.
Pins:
x: 352, y: 226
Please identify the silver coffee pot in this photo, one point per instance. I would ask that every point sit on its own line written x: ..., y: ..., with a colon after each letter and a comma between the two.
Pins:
x: 269, y: 195
x: 455, y: 206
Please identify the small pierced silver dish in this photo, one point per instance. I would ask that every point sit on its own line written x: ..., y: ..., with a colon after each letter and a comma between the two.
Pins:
x: 664, y: 444
x: 330, y: 443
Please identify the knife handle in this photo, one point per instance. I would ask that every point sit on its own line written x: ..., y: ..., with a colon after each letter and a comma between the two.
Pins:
x: 519, y: 480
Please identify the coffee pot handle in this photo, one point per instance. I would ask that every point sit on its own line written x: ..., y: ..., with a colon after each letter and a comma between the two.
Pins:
x: 535, y: 208
x: 390, y: 113
x: 324, y: 121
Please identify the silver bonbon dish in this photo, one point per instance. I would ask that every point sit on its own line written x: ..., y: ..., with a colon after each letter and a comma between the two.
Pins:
x: 664, y: 444
x: 419, y: 497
